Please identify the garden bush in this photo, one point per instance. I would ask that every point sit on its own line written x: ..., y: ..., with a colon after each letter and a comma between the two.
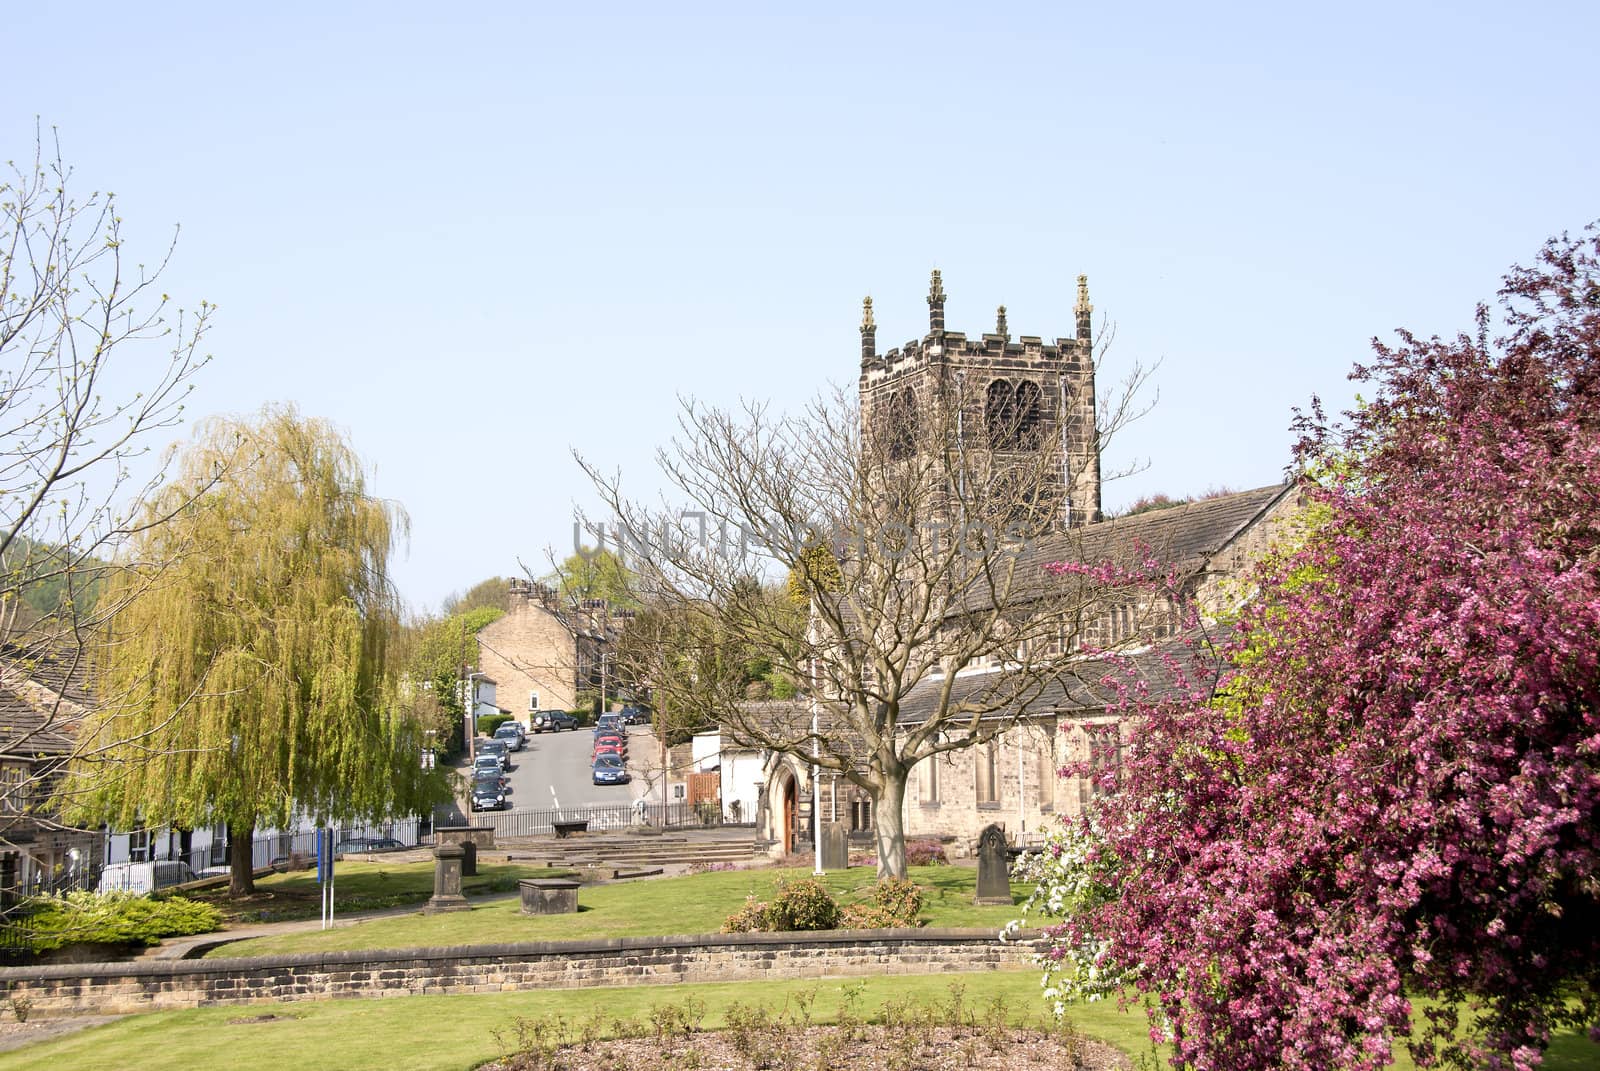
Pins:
x: 894, y: 902
x: 797, y: 904
x: 928, y: 851
x: 116, y: 918
x: 803, y: 904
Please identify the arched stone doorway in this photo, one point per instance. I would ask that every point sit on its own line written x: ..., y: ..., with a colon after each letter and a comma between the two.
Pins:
x: 791, y: 810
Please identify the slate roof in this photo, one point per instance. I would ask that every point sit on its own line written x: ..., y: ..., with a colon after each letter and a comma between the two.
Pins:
x: 1184, y: 536
x: 1083, y: 686
x: 34, y: 719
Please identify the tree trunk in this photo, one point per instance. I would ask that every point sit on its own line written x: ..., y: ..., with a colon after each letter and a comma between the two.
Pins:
x: 889, y: 824
x: 241, y: 851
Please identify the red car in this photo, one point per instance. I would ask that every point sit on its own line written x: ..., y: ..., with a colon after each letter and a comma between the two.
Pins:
x: 619, y: 751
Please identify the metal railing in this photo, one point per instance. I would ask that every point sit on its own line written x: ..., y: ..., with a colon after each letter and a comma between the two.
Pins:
x: 533, y: 822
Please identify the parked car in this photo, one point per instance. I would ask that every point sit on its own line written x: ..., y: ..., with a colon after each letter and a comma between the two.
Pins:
x: 616, y: 739
x: 608, y: 749
x: 488, y: 766
x: 362, y: 845
x: 553, y: 721
x: 487, y: 795
x: 146, y: 877
x: 498, y: 749
x: 610, y: 770
x: 512, y: 734
x: 610, y: 723
x: 635, y: 716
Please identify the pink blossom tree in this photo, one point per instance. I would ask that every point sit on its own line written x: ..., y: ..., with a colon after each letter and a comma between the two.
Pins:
x: 1386, y: 784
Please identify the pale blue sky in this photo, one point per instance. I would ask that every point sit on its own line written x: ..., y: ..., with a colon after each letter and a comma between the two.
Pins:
x: 478, y: 238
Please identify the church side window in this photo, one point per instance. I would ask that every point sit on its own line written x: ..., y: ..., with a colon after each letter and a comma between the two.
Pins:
x: 988, y: 773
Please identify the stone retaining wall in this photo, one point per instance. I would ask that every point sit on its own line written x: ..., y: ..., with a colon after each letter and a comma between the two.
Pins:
x: 110, y: 988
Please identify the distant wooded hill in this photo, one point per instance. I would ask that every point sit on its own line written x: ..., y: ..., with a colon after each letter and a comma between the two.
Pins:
x: 42, y: 577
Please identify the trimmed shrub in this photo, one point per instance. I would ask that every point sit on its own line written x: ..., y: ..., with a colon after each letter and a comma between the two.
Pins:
x: 893, y: 903
x: 797, y: 904
x: 116, y: 918
x: 803, y: 904
x: 488, y: 723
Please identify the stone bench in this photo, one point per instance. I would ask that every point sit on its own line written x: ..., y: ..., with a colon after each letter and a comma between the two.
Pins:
x: 567, y: 829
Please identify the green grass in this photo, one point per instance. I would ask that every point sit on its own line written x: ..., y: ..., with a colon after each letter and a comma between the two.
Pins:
x: 364, y: 885
x: 456, y: 1033
x: 695, y: 903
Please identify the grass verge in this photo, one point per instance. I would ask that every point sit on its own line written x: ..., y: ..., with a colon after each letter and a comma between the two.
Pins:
x: 695, y: 903
x: 457, y: 1033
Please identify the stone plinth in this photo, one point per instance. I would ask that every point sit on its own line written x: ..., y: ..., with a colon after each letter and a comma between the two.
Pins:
x: 447, y: 880
x: 548, y: 896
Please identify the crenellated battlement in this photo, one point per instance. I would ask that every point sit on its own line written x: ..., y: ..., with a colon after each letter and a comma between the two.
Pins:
x: 945, y: 365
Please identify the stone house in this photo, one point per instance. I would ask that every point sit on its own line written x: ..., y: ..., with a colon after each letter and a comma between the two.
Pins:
x: 544, y: 651
x: 43, y: 697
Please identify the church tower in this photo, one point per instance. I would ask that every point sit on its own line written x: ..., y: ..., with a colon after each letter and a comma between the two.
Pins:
x: 1006, y: 400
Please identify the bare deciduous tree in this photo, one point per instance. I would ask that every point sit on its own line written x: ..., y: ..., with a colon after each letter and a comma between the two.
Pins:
x: 95, y: 364
x: 863, y: 555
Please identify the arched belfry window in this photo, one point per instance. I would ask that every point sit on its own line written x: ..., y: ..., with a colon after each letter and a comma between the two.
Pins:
x: 1030, y: 415
x: 1013, y: 414
x: 902, y: 426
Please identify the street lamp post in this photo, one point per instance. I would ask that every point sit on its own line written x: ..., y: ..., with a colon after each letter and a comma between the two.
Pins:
x: 469, y: 700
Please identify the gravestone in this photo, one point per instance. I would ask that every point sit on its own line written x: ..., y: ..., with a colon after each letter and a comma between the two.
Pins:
x: 469, y: 859
x: 835, y: 846
x: 994, y: 867
x: 447, y: 881
x: 548, y: 896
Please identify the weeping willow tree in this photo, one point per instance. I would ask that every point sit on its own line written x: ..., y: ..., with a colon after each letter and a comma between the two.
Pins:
x: 250, y: 675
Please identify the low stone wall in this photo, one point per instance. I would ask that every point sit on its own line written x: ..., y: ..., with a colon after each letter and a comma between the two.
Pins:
x: 111, y: 988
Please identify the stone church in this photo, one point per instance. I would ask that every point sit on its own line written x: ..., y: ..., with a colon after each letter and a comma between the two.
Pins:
x: 1024, y: 398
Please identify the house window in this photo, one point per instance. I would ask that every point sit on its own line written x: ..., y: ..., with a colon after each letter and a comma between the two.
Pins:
x: 139, y: 846
x: 13, y: 789
x: 533, y: 700
x: 988, y: 773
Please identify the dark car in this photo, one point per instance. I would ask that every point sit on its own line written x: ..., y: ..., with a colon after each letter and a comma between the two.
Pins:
x: 360, y: 845
x: 610, y: 723
x: 635, y: 716
x: 610, y: 770
x: 553, y: 721
x: 497, y: 748
x: 487, y: 797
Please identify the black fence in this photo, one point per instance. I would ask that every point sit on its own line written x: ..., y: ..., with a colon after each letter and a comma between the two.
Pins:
x: 678, y: 814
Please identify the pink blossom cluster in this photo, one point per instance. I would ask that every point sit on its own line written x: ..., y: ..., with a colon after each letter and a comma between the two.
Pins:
x: 1387, y: 784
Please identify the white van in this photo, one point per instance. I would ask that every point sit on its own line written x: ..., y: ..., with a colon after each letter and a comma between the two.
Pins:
x: 145, y: 877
